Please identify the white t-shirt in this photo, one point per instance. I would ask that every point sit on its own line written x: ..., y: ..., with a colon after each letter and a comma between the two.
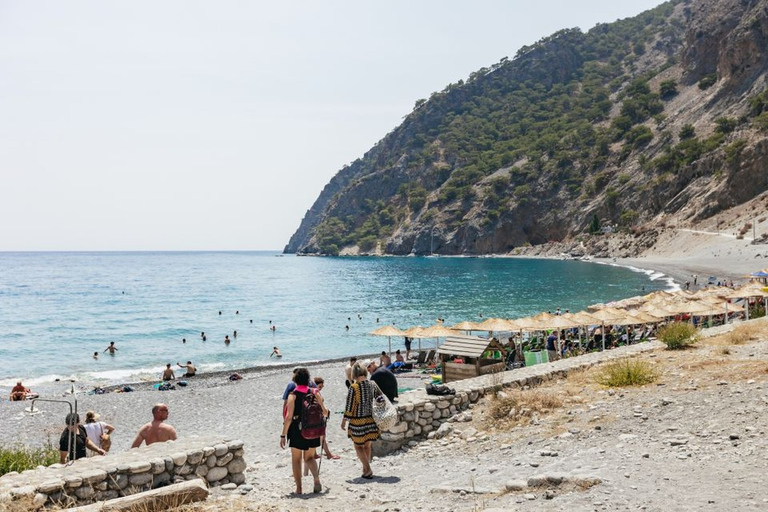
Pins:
x: 94, y: 431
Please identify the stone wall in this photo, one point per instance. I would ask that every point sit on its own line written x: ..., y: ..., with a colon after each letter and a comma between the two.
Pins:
x: 215, y: 460
x: 421, y: 414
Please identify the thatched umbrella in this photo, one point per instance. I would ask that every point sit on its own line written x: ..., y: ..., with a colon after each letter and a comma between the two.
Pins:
x: 415, y: 332
x: 437, y: 331
x: 609, y: 315
x: 388, y: 331
x: 466, y: 326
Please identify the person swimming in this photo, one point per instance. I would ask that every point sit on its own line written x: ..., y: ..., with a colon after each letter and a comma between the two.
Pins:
x: 275, y: 352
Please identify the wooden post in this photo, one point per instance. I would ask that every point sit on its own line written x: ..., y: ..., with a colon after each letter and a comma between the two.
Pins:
x: 164, y: 498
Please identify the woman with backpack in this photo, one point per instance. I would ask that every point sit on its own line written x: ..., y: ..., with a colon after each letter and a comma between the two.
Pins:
x: 303, y: 426
x: 359, y: 413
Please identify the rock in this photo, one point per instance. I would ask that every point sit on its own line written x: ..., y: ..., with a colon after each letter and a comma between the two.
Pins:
x: 734, y: 437
x: 678, y: 442
x: 516, y: 485
x: 529, y: 497
x: 215, y: 474
x: 444, y: 430
x: 229, y: 487
x: 549, y: 494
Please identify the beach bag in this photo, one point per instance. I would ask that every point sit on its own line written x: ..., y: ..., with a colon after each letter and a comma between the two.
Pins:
x: 384, y: 413
x: 439, y: 389
x: 312, y: 420
x: 106, y: 441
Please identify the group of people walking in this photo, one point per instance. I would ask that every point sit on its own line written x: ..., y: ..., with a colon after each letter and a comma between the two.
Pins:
x: 357, y: 421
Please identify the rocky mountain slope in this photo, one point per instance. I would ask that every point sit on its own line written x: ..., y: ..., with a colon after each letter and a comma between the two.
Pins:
x: 650, y: 120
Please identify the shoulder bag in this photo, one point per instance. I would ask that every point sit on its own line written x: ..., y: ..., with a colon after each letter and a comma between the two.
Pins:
x: 384, y: 412
x: 106, y: 441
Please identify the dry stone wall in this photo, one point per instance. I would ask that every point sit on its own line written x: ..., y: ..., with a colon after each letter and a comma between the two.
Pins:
x: 421, y: 415
x: 217, y: 461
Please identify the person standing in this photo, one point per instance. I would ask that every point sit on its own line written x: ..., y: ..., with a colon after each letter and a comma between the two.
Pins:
x: 155, y: 431
x: 383, y: 378
x: 301, y: 448
x: 320, y: 383
x: 359, y: 413
x: 111, y: 348
x: 348, y: 371
x: 408, y: 341
x: 96, y: 429
x: 74, y: 440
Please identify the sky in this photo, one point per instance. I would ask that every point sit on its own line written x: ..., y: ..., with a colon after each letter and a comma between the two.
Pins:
x: 214, y: 125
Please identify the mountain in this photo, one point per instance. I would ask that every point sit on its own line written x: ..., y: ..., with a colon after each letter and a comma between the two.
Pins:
x: 648, y: 120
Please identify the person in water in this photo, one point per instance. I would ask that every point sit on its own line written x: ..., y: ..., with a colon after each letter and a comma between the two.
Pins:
x: 95, y: 355
x: 275, y: 352
x: 111, y: 348
x: 226, y: 339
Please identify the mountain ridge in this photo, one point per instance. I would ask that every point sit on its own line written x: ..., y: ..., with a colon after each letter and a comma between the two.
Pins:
x: 643, y: 121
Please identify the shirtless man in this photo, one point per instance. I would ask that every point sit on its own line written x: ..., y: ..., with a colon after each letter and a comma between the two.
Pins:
x: 156, y: 431
x: 19, y: 392
x: 190, y: 368
x: 112, y: 348
x: 168, y: 373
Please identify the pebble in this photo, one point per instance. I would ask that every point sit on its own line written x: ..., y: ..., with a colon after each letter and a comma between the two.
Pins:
x: 529, y: 497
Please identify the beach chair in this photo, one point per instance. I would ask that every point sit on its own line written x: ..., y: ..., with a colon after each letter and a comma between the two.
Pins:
x: 421, y: 359
x: 430, y: 357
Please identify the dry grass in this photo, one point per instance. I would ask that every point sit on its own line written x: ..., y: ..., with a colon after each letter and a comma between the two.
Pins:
x: 627, y: 372
x: 512, y: 408
x: 744, y: 333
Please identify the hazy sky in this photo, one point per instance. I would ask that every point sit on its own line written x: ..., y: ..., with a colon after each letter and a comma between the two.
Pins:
x: 186, y: 125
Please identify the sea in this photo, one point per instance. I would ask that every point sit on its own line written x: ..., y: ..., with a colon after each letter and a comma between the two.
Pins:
x: 59, y: 308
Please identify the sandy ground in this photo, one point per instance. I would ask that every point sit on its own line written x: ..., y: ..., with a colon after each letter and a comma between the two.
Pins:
x: 683, y: 253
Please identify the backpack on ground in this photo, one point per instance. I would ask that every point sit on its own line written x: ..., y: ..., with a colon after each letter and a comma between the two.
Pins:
x: 312, y: 420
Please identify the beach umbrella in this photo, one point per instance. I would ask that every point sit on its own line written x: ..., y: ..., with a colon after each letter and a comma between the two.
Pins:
x: 388, y: 331
x: 466, y: 326
x: 608, y: 315
x: 437, y: 331
x: 496, y: 325
x: 415, y: 332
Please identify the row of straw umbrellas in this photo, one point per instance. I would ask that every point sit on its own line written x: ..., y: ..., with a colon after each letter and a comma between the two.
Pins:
x: 652, y: 308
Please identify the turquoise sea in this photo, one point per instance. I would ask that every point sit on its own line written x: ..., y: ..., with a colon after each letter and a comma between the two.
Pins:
x: 57, y: 309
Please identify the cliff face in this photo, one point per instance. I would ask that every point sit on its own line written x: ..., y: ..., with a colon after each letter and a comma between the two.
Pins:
x: 655, y: 118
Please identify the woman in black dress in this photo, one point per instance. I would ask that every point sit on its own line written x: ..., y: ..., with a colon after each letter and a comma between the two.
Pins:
x: 300, y: 448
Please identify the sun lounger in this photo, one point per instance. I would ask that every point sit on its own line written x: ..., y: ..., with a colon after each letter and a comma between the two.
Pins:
x: 421, y: 359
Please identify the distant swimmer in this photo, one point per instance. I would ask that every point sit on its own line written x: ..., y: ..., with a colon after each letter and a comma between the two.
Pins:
x: 226, y: 339
x: 237, y: 312
x: 95, y: 355
x: 183, y: 340
x: 168, y: 373
x: 251, y: 321
x: 234, y: 334
x: 219, y: 312
x: 275, y: 352
x: 346, y: 327
x: 273, y: 328
x: 112, y: 348
x: 191, y: 370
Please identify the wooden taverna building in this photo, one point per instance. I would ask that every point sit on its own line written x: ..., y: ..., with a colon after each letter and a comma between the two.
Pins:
x: 463, y: 357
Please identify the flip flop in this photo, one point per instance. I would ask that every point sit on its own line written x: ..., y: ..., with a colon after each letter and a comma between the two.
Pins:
x: 317, y: 488
x: 367, y: 477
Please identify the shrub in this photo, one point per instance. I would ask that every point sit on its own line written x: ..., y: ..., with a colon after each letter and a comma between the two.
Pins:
x: 678, y: 335
x: 20, y: 458
x: 627, y: 372
x: 708, y: 81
